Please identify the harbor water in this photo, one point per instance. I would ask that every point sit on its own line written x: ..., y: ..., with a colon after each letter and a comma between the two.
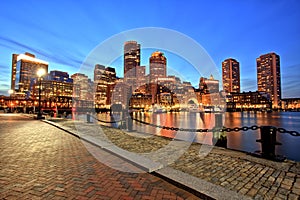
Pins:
x: 241, y: 140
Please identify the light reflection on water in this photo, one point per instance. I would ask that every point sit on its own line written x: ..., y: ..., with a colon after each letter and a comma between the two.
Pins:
x: 243, y: 140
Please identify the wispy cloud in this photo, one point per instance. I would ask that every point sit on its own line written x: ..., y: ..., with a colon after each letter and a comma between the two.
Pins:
x: 290, y: 81
x: 64, y: 59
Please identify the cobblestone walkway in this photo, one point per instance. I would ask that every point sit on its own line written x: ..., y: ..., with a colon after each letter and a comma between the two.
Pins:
x: 235, y: 171
x: 39, y: 161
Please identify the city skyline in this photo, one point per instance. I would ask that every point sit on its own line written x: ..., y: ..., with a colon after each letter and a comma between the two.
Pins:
x: 66, y: 49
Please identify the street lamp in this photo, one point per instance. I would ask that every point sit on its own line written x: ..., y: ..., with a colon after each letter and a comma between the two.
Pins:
x: 40, y: 73
x: 10, y: 104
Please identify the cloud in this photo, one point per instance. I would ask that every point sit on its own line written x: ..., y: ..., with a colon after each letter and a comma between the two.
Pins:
x: 65, y: 59
x: 290, y: 81
x: 248, y: 84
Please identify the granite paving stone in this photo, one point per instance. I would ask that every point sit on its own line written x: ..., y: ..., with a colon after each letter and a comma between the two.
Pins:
x: 234, y: 171
x: 40, y: 161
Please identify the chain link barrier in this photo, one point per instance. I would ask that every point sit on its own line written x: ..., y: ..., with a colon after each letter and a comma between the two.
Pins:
x: 215, y: 129
x: 108, y: 122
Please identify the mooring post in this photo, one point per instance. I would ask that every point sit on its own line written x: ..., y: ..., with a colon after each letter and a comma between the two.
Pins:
x: 219, y: 138
x: 88, y: 118
x: 129, y: 121
x: 268, y: 142
x: 124, y: 120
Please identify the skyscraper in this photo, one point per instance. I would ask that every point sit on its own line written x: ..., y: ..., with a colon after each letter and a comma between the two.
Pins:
x: 141, y: 75
x: 131, y: 60
x: 104, y: 78
x: 158, y: 66
x: 81, y: 86
x: 24, y: 68
x: 268, y: 77
x: 231, y: 75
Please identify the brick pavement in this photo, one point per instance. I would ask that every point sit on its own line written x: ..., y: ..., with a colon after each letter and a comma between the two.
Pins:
x: 39, y: 161
x: 234, y: 171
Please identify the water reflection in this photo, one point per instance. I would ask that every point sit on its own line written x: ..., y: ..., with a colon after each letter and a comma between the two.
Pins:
x: 243, y: 140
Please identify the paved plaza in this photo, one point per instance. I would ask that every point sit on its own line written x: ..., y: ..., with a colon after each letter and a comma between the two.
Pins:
x: 220, y: 174
x: 67, y: 159
x: 40, y: 161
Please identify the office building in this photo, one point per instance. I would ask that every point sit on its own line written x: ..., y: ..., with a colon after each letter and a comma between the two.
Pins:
x: 208, y: 85
x: 105, y: 80
x: 158, y: 66
x: 248, y: 101
x: 268, y: 77
x: 81, y: 86
x: 141, y: 75
x: 231, y: 75
x: 56, y: 90
x: 131, y: 61
x: 24, y: 68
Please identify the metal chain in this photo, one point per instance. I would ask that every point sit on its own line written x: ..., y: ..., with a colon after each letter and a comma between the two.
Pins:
x: 292, y: 133
x: 216, y: 129
x: 109, y: 122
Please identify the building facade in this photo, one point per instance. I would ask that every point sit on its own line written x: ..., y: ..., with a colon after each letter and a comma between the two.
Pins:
x: 141, y: 76
x: 208, y: 85
x: 24, y: 69
x: 105, y: 80
x: 132, y: 52
x: 56, y: 91
x: 81, y: 86
x: 158, y: 66
x: 231, y: 75
x: 258, y: 101
x: 291, y: 104
x: 268, y: 77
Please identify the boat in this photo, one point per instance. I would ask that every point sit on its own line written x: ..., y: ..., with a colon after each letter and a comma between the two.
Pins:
x: 193, y: 108
x: 157, y: 109
x: 160, y: 110
x: 208, y: 109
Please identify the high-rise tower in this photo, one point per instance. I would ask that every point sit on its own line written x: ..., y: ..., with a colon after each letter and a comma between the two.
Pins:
x: 24, y: 68
x: 131, y: 59
x: 158, y: 66
x: 231, y: 75
x: 268, y: 77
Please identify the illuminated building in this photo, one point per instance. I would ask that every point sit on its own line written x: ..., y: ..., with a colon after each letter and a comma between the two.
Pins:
x: 231, y: 75
x: 131, y: 61
x: 158, y: 66
x: 291, y: 104
x: 268, y: 77
x: 56, y: 91
x: 24, y: 68
x: 81, y: 85
x: 61, y: 76
x: 140, y: 101
x: 248, y: 101
x: 208, y: 85
x: 121, y: 93
x: 104, y: 79
x: 140, y: 75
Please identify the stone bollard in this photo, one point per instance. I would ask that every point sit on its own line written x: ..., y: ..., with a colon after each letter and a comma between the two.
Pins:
x: 268, y: 142
x: 129, y: 122
x: 219, y: 138
x: 88, y: 118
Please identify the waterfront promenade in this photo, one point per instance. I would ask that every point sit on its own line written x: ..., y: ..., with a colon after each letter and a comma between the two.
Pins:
x: 42, y: 161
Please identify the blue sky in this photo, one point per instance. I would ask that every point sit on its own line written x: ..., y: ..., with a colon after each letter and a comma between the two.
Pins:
x: 65, y: 32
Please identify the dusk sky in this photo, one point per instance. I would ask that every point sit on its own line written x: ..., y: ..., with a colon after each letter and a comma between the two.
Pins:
x: 64, y: 33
